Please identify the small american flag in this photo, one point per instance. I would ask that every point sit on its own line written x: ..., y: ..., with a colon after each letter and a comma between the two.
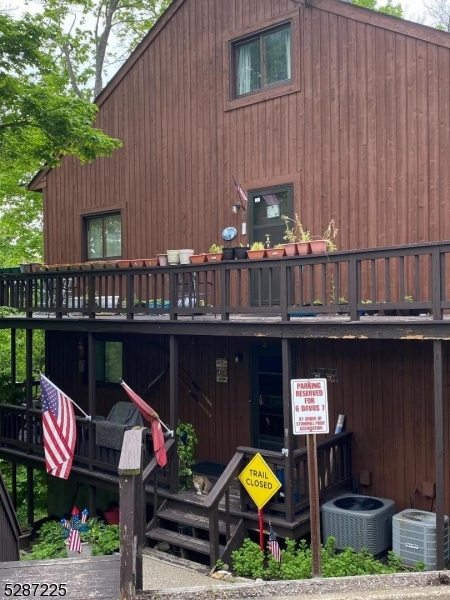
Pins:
x: 271, y: 199
x: 240, y: 191
x: 273, y: 544
x: 75, y: 541
x: 84, y: 515
x: 59, y: 429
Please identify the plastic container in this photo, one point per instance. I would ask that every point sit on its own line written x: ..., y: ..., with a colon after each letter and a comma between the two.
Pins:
x: 173, y: 257
x: 185, y: 256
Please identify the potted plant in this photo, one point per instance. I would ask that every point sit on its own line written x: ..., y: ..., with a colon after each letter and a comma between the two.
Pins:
x: 320, y: 245
x: 256, y: 251
x: 215, y: 253
x: 87, y: 530
x: 366, y: 311
x: 198, y: 258
x: 187, y: 440
x: 241, y: 252
x: 298, y: 235
x: 276, y: 252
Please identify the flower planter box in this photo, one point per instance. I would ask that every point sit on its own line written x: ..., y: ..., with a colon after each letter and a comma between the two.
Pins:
x: 137, y: 262
x: 84, y: 267
x: 318, y: 246
x: 304, y: 247
x: 197, y: 258
x: 214, y: 257
x: 123, y: 264
x: 151, y: 262
x: 256, y: 254
x: 111, y: 264
x: 275, y: 252
x: 291, y: 249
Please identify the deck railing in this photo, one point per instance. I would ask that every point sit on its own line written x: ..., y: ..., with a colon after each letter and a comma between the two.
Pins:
x: 410, y: 280
x: 16, y: 422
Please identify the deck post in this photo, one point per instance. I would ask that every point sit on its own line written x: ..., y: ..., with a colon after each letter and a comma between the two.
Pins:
x: 173, y: 369
x: 13, y: 357
x: 30, y: 496
x: 92, y: 409
x: 439, y: 452
x: 131, y: 517
x: 286, y: 357
x: 29, y: 385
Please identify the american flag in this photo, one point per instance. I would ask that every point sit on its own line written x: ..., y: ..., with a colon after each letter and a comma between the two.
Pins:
x: 240, y: 191
x: 84, y: 515
x: 271, y: 199
x: 59, y: 429
x: 75, y: 541
x: 273, y: 544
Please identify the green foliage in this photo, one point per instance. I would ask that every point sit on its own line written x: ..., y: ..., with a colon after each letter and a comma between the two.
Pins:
x: 296, y: 563
x: 50, y: 543
x: 10, y: 393
x: 215, y: 249
x: 187, y: 440
x: 395, y: 10
x: 85, y: 50
x: 40, y: 491
x: 257, y: 246
x: 108, y: 541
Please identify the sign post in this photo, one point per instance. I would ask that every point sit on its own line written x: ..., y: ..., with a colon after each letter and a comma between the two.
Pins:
x: 261, y: 484
x: 309, y: 417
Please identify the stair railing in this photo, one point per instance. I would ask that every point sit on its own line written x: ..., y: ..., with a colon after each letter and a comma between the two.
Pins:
x: 221, y: 489
x: 132, y: 479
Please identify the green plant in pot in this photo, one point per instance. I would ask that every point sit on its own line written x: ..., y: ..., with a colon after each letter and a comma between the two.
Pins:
x: 187, y: 440
x: 257, y: 246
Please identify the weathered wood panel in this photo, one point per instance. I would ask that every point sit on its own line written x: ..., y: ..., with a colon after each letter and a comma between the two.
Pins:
x: 9, y: 526
x: 365, y: 138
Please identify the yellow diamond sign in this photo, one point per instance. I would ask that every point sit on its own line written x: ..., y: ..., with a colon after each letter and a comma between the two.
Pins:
x: 259, y: 480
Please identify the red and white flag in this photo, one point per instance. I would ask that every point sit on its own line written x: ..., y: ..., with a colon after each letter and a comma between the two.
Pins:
x: 75, y: 541
x: 59, y: 429
x: 152, y: 417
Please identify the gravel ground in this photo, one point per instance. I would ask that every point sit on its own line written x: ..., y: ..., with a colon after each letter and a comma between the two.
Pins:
x: 172, y: 579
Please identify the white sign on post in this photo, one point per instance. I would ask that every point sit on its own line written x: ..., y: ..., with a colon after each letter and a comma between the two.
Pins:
x: 309, y: 406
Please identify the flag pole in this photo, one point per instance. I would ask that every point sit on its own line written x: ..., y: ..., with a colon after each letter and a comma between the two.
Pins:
x: 87, y: 417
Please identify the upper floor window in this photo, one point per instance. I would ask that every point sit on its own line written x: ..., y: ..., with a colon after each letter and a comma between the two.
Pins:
x: 104, y: 236
x: 263, y: 60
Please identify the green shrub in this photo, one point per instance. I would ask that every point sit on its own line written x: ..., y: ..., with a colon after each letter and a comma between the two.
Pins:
x: 108, y: 541
x: 296, y: 563
x: 50, y: 543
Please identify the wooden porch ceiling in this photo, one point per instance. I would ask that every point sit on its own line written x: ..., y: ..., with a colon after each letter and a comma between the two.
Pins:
x: 324, y: 326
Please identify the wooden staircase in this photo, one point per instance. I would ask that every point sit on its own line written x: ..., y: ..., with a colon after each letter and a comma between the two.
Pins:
x: 186, y: 525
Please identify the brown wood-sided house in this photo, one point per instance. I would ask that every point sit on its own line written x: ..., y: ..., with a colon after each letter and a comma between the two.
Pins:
x: 319, y: 108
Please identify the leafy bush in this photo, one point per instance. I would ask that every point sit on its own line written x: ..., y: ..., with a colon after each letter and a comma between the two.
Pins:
x: 108, y: 541
x: 187, y: 440
x: 296, y: 563
x: 50, y: 543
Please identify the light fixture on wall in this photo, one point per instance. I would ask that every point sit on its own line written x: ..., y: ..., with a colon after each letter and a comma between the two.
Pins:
x: 236, y: 207
x: 238, y: 357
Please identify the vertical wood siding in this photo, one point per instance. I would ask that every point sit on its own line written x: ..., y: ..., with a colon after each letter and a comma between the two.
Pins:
x: 9, y: 527
x: 365, y: 140
x: 385, y: 389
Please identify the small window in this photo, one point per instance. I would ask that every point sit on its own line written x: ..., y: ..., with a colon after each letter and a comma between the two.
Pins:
x: 104, y: 236
x: 108, y: 361
x: 263, y: 60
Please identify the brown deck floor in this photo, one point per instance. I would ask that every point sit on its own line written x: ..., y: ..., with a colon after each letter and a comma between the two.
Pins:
x: 94, y: 577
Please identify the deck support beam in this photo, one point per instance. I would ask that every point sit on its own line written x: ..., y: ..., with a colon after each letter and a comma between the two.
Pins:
x: 439, y: 451
x: 92, y: 408
x: 286, y: 357
x: 174, y: 374
x: 13, y: 356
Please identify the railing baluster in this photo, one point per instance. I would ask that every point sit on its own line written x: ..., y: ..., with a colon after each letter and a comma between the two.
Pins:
x: 436, y: 297
x: 401, y: 260
x: 387, y: 280
x: 417, y: 295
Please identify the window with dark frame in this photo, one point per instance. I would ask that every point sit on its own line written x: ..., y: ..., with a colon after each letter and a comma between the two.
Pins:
x: 108, y: 361
x: 262, y: 61
x: 103, y: 236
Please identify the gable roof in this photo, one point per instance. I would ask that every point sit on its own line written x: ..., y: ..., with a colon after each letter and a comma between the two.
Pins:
x: 337, y: 7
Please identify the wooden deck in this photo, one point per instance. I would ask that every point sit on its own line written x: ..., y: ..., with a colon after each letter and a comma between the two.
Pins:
x: 84, y: 578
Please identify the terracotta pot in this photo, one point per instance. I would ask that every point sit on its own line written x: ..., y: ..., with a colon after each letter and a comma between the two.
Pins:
x: 123, y: 264
x: 214, y: 257
x: 151, y: 262
x: 98, y: 264
x: 318, y: 246
x: 197, y: 258
x: 162, y: 259
x: 52, y: 267
x: 290, y: 249
x: 275, y: 252
x: 87, y: 266
x: 137, y: 262
x: 256, y: 254
x: 304, y: 247
x: 110, y: 264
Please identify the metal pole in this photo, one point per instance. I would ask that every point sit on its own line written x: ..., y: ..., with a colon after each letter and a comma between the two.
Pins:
x: 439, y: 452
x: 261, y: 528
x: 314, y: 508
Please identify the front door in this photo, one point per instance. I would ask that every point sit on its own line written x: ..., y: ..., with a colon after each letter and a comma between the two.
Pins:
x: 266, y: 207
x: 267, y: 398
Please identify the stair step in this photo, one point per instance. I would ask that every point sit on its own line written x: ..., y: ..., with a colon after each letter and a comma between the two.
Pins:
x: 186, y: 518
x: 178, y: 539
